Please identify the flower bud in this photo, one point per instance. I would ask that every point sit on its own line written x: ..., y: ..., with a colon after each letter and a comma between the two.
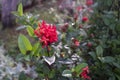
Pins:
x: 64, y: 27
x: 89, y: 44
x: 75, y: 17
x: 89, y: 2
x: 80, y: 26
x: 92, y: 35
x: 76, y: 42
x: 85, y: 19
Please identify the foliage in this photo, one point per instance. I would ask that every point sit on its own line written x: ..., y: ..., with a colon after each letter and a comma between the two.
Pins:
x: 106, y: 40
x: 85, y: 39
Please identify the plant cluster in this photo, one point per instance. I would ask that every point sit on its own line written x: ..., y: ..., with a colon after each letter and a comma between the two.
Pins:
x: 83, y: 47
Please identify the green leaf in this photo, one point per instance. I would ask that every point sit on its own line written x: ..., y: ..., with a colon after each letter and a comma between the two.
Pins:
x: 22, y: 76
x: 106, y: 20
x: 67, y: 73
x: 36, y: 46
x: 99, y: 51
x: 116, y: 65
x: 20, y: 9
x: 51, y: 74
x: 24, y: 44
x: 93, y: 55
x: 36, y: 49
x: 109, y: 2
x: 27, y: 57
x: 107, y: 59
x: 78, y: 68
x: 30, y: 30
x: 118, y: 76
x: 112, y: 26
x: 117, y: 73
x: 118, y: 27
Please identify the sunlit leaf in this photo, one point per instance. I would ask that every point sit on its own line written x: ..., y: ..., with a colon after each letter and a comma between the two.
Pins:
x: 24, y: 44
x: 78, y: 68
x: 20, y: 9
x: 36, y: 49
x: 30, y: 30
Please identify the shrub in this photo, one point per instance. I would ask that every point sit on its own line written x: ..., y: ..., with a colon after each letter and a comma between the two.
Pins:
x: 87, y: 41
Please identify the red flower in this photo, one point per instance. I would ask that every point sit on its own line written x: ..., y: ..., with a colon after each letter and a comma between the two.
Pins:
x: 75, y: 17
x: 76, y: 43
x: 79, y: 8
x: 89, y: 2
x: 89, y: 44
x: 46, y: 33
x: 90, y: 10
x: 84, y: 73
x: 84, y: 19
x: 80, y: 26
x: 92, y: 35
x: 64, y: 27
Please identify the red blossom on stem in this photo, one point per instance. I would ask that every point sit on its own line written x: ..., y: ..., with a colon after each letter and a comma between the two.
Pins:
x: 89, y: 44
x: 85, y: 72
x: 80, y: 26
x: 46, y: 33
x: 85, y: 19
x: 64, y: 27
x: 75, y: 17
x: 92, y: 35
x: 76, y: 42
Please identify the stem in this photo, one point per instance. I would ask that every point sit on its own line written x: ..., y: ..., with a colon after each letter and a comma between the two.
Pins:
x: 48, y: 51
x: 118, y: 10
x: 46, y: 78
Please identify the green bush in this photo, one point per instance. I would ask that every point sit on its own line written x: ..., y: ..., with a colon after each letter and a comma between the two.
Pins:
x: 105, y: 57
x: 87, y: 40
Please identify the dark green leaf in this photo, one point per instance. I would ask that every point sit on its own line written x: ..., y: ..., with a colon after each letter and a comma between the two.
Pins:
x: 106, y: 21
x: 78, y: 68
x: 93, y: 55
x: 107, y: 59
x: 99, y: 51
x: 116, y: 65
x: 22, y: 76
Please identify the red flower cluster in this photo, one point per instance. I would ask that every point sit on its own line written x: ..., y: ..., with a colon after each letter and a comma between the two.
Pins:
x: 84, y: 73
x: 46, y: 33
